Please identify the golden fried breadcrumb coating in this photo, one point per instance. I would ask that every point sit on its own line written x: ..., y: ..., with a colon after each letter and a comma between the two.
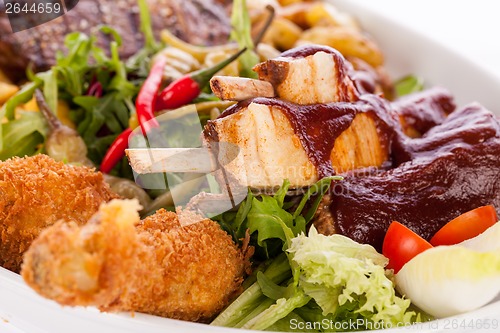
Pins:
x: 119, y: 263
x: 37, y: 191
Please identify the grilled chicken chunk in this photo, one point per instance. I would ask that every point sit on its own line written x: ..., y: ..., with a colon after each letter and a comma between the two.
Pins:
x: 309, y: 74
x: 297, y: 136
x: 282, y: 140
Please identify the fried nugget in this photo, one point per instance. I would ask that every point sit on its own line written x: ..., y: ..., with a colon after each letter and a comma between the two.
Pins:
x: 35, y: 192
x: 118, y: 263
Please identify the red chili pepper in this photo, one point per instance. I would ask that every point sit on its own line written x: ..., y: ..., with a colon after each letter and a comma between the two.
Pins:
x: 116, y: 151
x: 146, y: 99
x: 183, y: 90
x: 145, y: 115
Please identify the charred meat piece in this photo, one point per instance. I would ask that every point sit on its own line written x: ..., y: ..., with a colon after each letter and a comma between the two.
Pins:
x: 196, y: 21
x: 453, y: 168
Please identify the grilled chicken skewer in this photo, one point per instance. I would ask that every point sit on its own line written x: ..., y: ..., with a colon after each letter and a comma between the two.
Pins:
x: 229, y: 88
x: 251, y: 129
x: 294, y: 136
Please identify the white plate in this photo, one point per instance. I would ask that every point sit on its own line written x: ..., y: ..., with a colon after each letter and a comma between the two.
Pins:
x: 22, y: 310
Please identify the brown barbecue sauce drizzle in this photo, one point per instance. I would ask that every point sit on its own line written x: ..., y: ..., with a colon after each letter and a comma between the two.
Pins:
x: 319, y: 125
x: 454, y: 168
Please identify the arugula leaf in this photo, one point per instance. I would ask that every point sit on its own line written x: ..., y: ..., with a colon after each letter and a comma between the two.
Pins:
x: 80, y: 46
x: 267, y: 217
x: 319, y: 190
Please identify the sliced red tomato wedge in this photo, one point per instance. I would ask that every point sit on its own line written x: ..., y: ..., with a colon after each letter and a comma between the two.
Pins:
x: 466, y: 226
x: 401, y: 245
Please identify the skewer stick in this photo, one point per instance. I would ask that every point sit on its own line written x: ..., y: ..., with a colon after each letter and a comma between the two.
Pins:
x: 230, y: 88
x: 154, y: 160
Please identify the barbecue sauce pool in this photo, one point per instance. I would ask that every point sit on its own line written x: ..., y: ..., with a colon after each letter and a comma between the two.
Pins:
x: 453, y: 168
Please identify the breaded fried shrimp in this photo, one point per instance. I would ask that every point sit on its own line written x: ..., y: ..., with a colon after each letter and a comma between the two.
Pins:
x: 37, y: 191
x: 119, y: 263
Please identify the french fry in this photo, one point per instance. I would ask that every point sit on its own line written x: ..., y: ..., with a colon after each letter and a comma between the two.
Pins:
x: 62, y: 111
x: 289, y: 2
x: 31, y: 105
x: 297, y: 13
x: 63, y: 114
x: 325, y: 14
x: 347, y: 41
x: 6, y: 91
x: 282, y: 34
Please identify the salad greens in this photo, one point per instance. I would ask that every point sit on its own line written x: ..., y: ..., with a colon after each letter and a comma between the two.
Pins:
x: 312, y: 280
x: 21, y: 136
x: 96, y: 84
x: 241, y: 33
x: 339, y: 273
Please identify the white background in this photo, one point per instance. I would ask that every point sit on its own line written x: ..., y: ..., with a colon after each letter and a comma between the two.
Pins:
x: 471, y: 27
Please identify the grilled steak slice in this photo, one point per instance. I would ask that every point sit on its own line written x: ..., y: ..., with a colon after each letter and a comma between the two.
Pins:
x: 201, y: 22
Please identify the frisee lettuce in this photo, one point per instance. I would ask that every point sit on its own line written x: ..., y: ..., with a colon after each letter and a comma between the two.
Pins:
x: 337, y: 271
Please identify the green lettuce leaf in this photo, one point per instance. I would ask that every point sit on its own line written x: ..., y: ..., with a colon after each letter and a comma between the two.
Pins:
x: 351, y: 274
